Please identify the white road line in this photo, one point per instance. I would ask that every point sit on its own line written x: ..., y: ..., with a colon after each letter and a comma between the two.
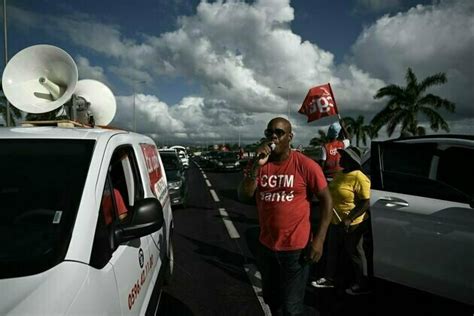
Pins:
x: 208, y: 183
x: 214, y: 195
x: 256, y: 281
x: 204, y: 175
x: 233, y: 233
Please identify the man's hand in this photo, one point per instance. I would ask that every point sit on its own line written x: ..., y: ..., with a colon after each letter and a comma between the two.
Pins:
x: 314, y: 251
x: 346, y: 223
x: 263, y: 150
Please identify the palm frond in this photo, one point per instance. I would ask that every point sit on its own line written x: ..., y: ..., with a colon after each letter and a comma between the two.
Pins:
x: 382, y: 117
x: 435, y: 119
x: 394, y: 121
x: 437, y: 102
x: 420, y: 131
x: 320, y: 140
x: 389, y: 91
x: 412, y: 81
x: 436, y: 79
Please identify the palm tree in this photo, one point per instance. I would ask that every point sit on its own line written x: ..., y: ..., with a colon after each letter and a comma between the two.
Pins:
x: 47, y: 116
x: 321, y: 140
x: 359, y: 130
x: 406, y: 103
x: 14, y: 112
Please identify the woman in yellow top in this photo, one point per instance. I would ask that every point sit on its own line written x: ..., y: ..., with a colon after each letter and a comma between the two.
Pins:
x: 350, y: 191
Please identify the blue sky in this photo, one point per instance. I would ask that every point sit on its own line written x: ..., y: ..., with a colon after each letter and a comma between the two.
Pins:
x: 208, y: 72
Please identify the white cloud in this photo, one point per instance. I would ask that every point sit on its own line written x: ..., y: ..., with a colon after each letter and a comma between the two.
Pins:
x: 240, y: 53
x: 87, y: 71
x: 151, y: 115
x: 430, y: 39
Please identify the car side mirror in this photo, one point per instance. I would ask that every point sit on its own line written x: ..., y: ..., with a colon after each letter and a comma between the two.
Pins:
x: 147, y: 218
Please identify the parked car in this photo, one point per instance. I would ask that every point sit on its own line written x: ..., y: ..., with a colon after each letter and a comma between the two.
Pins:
x: 176, y: 176
x: 422, y: 213
x: 209, y: 159
x: 183, y: 155
x: 226, y: 161
x: 87, y: 215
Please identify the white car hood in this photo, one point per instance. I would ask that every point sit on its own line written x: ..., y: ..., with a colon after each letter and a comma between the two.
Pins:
x: 47, y: 293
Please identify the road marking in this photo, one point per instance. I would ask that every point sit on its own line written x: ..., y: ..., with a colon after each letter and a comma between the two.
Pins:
x: 233, y: 233
x: 256, y: 281
x: 208, y: 183
x: 214, y: 195
x: 204, y: 175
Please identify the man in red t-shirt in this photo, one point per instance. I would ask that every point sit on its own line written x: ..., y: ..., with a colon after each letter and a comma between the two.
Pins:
x: 282, y: 181
x: 330, y: 156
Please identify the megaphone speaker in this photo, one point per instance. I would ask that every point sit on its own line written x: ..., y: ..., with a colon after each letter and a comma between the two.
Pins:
x: 101, y: 99
x: 40, y: 79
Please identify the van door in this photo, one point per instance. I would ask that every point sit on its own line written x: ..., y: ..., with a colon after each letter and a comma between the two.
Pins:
x: 157, y: 182
x: 131, y: 261
x: 423, y: 226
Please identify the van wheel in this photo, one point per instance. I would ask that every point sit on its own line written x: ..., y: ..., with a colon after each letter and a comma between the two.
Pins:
x: 170, y: 269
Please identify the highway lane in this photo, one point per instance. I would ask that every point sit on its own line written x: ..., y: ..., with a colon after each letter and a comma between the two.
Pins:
x: 209, y: 277
x: 215, y: 266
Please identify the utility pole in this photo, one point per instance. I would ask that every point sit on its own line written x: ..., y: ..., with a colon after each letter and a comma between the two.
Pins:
x: 5, y: 47
x: 287, y: 100
x: 134, y: 104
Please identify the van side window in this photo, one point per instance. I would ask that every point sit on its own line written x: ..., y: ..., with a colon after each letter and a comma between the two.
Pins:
x: 407, y: 170
x: 453, y: 162
x: 122, y: 189
x: 102, y: 248
x: 125, y: 177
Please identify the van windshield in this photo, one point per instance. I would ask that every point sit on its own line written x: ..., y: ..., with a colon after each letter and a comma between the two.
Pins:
x: 40, y: 191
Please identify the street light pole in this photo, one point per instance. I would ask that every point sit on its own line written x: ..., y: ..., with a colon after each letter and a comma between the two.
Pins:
x: 239, y: 137
x: 5, y: 47
x: 134, y: 112
x: 287, y: 100
x: 134, y: 104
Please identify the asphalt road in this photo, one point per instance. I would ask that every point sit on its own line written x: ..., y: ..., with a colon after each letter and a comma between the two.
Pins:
x: 215, y: 271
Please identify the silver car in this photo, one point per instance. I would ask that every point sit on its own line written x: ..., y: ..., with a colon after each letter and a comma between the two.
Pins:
x: 422, y: 213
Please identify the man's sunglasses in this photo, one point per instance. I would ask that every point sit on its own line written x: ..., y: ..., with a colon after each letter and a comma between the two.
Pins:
x: 277, y: 131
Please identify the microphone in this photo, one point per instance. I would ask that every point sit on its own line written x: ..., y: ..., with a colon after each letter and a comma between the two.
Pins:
x: 262, y: 155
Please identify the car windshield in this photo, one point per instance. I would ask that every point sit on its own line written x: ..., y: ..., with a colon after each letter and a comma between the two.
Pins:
x: 41, y: 188
x: 173, y: 175
x: 227, y: 155
x: 170, y: 161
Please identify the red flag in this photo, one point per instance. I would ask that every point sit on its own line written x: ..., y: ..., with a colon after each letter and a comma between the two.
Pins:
x: 319, y: 102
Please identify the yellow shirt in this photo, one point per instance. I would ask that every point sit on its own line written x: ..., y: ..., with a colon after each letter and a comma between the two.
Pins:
x: 346, y: 188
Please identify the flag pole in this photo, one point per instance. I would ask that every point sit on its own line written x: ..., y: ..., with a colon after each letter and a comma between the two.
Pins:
x: 341, y: 122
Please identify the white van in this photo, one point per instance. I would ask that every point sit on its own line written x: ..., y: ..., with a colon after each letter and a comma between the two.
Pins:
x: 422, y: 213
x: 85, y: 223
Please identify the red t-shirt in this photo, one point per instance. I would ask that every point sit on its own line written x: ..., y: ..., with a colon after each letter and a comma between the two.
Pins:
x: 108, y: 208
x: 333, y: 156
x: 283, y: 201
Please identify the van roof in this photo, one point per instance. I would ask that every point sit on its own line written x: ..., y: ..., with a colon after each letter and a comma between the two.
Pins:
x: 53, y: 132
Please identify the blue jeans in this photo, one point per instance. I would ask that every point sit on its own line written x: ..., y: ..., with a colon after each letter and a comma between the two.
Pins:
x: 284, y: 278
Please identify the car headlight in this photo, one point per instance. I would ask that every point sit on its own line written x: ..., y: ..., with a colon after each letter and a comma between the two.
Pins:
x: 175, y: 185
x: 220, y: 163
x: 237, y: 164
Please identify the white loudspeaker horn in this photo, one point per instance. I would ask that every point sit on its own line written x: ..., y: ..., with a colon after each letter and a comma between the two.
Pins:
x: 102, y: 104
x: 40, y: 79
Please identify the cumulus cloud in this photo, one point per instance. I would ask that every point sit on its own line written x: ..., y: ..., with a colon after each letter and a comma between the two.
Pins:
x: 149, y: 113
x: 250, y: 66
x: 430, y: 39
x: 87, y: 71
